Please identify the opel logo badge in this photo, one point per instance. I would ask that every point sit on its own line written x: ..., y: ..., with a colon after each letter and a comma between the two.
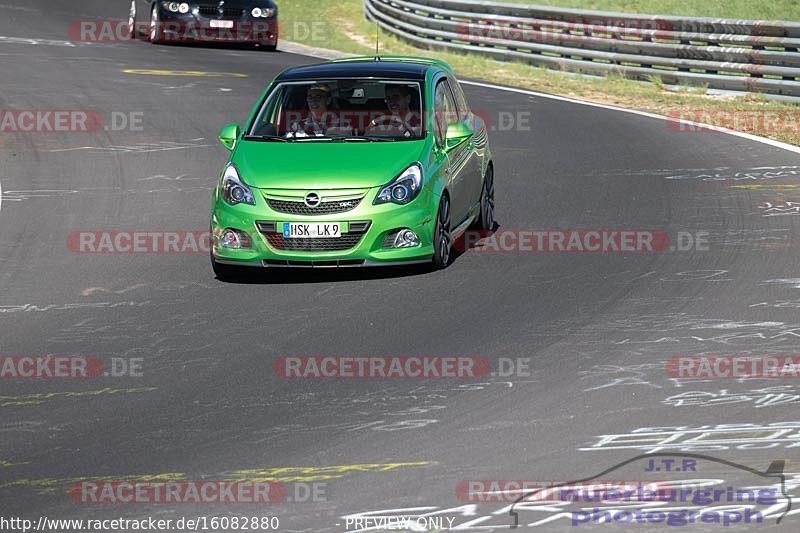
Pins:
x: 312, y: 199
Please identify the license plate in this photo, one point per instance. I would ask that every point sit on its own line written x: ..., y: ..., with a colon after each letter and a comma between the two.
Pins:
x: 222, y: 24
x: 302, y: 230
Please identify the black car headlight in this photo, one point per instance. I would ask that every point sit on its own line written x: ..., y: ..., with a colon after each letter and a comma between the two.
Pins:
x: 403, y: 188
x: 233, y: 189
x: 176, y: 7
x: 263, y: 12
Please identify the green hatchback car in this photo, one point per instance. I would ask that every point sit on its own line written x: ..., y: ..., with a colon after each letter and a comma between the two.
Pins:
x: 355, y: 162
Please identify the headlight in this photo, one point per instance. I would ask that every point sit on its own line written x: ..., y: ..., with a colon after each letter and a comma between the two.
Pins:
x: 403, y: 188
x: 176, y: 7
x: 263, y: 12
x: 233, y: 189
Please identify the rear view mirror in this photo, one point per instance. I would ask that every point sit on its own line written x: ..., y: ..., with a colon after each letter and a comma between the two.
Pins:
x: 457, y: 132
x: 228, y: 135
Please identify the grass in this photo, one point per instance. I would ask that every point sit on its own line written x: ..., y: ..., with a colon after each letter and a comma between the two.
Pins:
x: 341, y: 26
x: 737, y: 9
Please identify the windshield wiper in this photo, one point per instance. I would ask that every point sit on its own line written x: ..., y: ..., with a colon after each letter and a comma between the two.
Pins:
x: 312, y: 138
x: 265, y: 138
x: 366, y: 138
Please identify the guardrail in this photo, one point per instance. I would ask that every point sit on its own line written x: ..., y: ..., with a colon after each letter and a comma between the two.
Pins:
x: 737, y: 55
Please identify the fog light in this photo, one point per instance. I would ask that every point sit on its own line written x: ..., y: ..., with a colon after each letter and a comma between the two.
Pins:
x: 406, y: 239
x: 231, y: 238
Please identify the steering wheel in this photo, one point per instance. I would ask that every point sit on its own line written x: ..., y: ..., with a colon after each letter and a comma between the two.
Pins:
x: 392, y: 121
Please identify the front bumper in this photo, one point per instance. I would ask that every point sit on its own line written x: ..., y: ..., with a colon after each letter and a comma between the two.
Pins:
x: 197, y: 28
x: 263, y: 225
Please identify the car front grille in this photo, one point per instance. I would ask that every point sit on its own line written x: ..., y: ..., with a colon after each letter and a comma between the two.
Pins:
x: 324, y: 208
x: 345, y: 242
x: 228, y: 13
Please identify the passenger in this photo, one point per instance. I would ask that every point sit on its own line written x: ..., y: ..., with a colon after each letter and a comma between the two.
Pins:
x: 401, y: 117
x: 320, y: 117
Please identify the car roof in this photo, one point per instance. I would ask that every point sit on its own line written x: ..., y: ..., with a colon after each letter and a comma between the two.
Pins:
x: 366, y: 67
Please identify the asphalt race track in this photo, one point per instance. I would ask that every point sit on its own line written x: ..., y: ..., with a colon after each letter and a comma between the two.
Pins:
x: 595, y: 328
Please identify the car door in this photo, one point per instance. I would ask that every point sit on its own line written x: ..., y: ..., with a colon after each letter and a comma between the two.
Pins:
x: 473, y: 178
x: 457, y: 154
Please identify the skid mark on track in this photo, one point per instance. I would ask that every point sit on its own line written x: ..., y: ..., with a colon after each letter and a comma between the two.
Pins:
x: 9, y: 464
x: 727, y: 174
x: 26, y: 195
x: 772, y: 187
x: 794, y: 282
x: 91, y: 290
x: 35, y: 42
x: 139, y: 148
x: 757, y: 398
x: 27, y: 308
x: 159, y: 287
x: 162, y: 177
x: 291, y: 474
x: 40, y: 398
x: 776, y: 435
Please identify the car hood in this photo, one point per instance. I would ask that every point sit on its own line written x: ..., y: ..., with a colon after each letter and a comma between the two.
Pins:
x: 323, y: 164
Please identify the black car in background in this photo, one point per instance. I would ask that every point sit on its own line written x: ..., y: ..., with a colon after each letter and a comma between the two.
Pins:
x: 215, y: 21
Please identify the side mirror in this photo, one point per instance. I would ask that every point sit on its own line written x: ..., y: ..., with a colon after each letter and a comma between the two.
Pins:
x: 457, y: 132
x: 229, y: 135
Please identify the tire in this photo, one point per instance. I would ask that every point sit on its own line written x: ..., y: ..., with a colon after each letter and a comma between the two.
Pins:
x: 442, y: 239
x: 156, y: 28
x: 485, y: 221
x: 268, y: 47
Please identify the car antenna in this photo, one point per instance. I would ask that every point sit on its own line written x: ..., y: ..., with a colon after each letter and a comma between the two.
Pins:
x: 377, y: 41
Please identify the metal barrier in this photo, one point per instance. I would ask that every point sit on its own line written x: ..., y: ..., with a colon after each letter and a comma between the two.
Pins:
x: 737, y: 55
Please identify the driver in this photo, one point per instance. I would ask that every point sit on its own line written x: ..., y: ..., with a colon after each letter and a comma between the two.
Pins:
x: 320, y: 118
x: 401, y: 117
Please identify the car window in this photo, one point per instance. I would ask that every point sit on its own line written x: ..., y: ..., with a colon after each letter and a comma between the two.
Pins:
x: 444, y: 110
x: 342, y: 109
x: 461, y: 99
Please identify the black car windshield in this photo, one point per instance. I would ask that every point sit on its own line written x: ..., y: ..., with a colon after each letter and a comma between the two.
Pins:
x: 344, y: 110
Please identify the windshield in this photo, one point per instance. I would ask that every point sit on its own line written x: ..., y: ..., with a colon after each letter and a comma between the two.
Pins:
x: 342, y: 109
